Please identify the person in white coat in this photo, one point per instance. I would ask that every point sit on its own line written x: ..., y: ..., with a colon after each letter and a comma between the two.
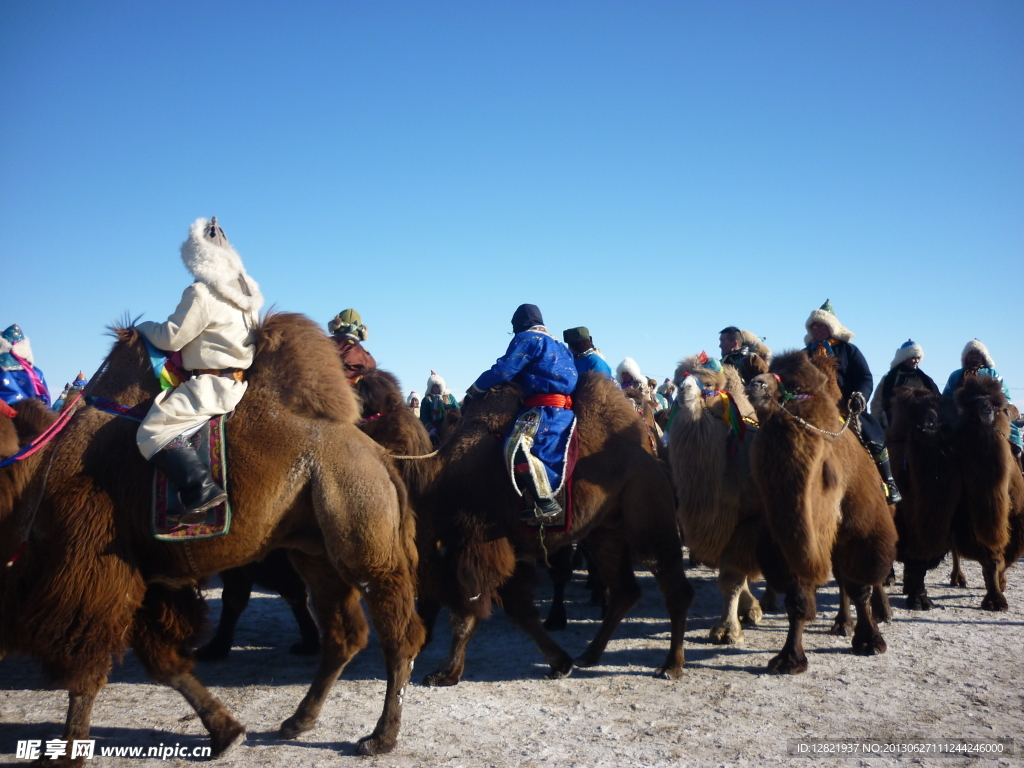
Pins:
x: 213, y: 328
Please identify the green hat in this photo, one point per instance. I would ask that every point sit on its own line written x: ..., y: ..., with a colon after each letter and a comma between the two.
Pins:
x: 575, y: 334
x: 348, y: 321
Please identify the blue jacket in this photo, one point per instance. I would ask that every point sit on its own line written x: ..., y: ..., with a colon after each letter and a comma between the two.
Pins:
x: 537, y: 362
x: 956, y: 379
x: 591, y: 360
x: 16, y: 386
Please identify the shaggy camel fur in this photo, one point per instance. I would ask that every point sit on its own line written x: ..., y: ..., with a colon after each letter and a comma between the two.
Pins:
x: 920, y: 442
x: 824, y: 505
x: 622, y: 503
x: 718, y: 504
x: 989, y: 522
x: 92, y: 581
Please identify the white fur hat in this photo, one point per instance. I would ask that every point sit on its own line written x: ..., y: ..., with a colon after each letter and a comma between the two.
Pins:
x: 827, y: 317
x: 976, y: 346
x: 211, y: 260
x: 907, y: 350
x: 435, y: 379
x: 629, y: 365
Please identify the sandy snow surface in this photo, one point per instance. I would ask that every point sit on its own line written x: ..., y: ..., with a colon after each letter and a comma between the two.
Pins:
x: 952, y: 674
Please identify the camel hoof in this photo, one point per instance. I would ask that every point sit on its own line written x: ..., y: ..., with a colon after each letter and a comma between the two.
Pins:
x: 669, y: 673
x: 564, y: 669
x: 788, y: 665
x: 304, y: 648
x: 441, y: 680
x: 375, y: 745
x: 919, y: 602
x: 293, y: 726
x: 726, y: 635
x: 957, y: 580
x: 753, y: 616
x: 227, y: 740
x: 870, y: 647
x: 994, y: 603
x: 841, y: 629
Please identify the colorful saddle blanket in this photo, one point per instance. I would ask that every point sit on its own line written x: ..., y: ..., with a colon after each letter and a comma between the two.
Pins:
x: 210, y: 444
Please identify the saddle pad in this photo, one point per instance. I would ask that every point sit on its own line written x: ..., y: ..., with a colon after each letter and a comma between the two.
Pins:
x: 563, y: 520
x: 209, y: 443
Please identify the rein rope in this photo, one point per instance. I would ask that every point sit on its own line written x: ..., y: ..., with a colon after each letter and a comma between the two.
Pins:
x: 46, y: 436
x: 855, y: 405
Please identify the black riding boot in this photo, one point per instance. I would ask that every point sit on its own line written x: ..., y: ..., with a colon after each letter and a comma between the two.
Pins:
x: 195, y: 485
x: 892, y: 493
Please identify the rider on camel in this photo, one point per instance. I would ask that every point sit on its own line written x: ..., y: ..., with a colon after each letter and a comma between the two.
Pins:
x: 904, y: 371
x: 436, y: 405
x: 975, y: 360
x: 586, y: 356
x: 19, y: 377
x: 827, y: 336
x: 348, y: 331
x: 539, y: 440
x: 213, y: 328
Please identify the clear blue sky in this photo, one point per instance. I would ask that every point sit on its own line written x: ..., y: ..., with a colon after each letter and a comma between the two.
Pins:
x: 655, y: 171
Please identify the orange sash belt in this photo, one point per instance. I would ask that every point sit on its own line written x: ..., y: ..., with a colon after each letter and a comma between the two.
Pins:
x: 554, y: 401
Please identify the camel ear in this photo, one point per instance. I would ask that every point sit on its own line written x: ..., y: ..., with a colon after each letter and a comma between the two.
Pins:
x: 757, y: 364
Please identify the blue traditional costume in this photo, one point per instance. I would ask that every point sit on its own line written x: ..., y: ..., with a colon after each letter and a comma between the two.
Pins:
x: 586, y: 356
x: 20, y: 379
x: 536, y: 447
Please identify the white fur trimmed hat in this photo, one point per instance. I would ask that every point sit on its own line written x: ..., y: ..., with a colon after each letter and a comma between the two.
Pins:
x: 211, y: 260
x: 435, y: 379
x: 827, y: 316
x: 907, y: 350
x: 976, y: 346
x: 630, y: 366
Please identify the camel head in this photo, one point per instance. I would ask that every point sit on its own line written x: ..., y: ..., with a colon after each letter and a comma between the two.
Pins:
x: 981, y: 401
x: 791, y: 374
x: 379, y: 393
x: 920, y: 410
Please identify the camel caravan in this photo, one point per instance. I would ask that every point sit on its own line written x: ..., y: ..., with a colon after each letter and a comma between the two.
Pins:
x: 190, y: 453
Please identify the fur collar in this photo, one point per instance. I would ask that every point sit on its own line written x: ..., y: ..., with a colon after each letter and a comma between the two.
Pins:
x: 24, y: 350
x: 972, y: 345
x: 218, y: 268
x: 839, y: 331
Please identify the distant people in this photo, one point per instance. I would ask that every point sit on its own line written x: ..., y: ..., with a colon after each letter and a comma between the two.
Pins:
x: 975, y: 360
x: 659, y: 400
x: 585, y: 355
x: 436, y: 405
x: 413, y: 401
x: 827, y: 336
x: 348, y: 332
x: 70, y: 391
x: 904, y: 371
x: 628, y: 374
x: 741, y: 350
x: 668, y: 391
x: 20, y: 379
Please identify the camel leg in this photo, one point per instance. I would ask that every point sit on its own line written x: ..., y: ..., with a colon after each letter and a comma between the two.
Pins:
x: 880, y: 607
x: 561, y: 574
x: 991, y: 568
x: 611, y: 557
x: 914, y: 588
x: 800, y: 608
x: 401, y: 634
x: 843, y: 625
x: 517, y: 600
x: 867, y: 640
x: 428, y: 608
x: 159, y: 648
x: 769, y: 601
x: 678, y: 594
x: 344, y: 632
x: 750, y: 612
x: 956, y: 574
x: 727, y: 630
x: 309, y: 645
x: 234, y: 599
x: 450, y: 673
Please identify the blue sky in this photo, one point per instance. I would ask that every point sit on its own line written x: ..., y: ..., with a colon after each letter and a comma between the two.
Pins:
x: 654, y: 171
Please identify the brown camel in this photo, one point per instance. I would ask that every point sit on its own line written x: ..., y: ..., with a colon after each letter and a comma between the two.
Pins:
x: 92, y: 582
x: 989, y: 521
x: 824, y: 505
x: 621, y: 501
x: 920, y: 442
x: 386, y: 419
x: 717, y: 501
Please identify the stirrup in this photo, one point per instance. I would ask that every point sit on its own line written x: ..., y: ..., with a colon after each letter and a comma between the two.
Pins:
x: 892, y: 493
